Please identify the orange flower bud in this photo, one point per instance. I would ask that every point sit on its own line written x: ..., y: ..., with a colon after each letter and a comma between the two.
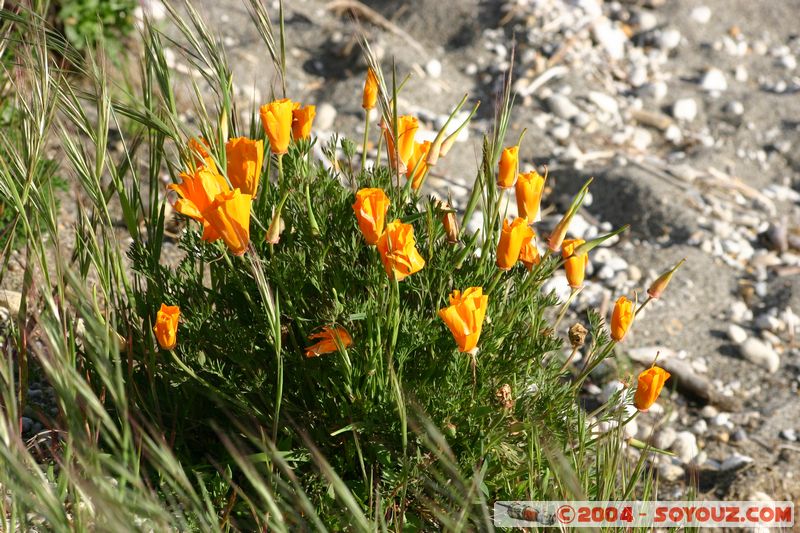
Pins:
x: 575, y: 265
x: 417, y: 166
x: 465, y: 317
x: 166, y: 327
x: 529, y: 255
x: 509, y: 167
x: 329, y: 341
x: 229, y: 216
x: 399, y: 252
x: 407, y: 127
x: 245, y: 159
x: 370, y: 208
x: 651, y: 381
x: 450, y: 223
x: 276, y: 118
x: 529, y: 188
x: 621, y: 318
x: 660, y: 285
x: 560, y: 231
x: 370, y: 97
x: 511, y: 240
x: 302, y: 118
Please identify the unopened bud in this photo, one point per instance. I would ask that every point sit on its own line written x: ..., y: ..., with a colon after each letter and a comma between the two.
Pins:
x: 577, y: 335
x: 449, y: 222
x: 503, y: 395
x: 660, y: 285
x: 560, y: 232
x: 276, y: 226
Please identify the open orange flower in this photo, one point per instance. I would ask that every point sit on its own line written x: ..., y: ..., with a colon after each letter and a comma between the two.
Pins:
x: 651, y: 381
x: 166, y: 327
x: 370, y: 96
x: 328, y: 339
x: 407, y: 127
x: 197, y: 191
x: 509, y: 167
x: 465, y: 317
x: 370, y: 208
x: 245, y: 159
x: 302, y: 118
x: 276, y: 118
x: 417, y: 166
x: 529, y: 188
x: 621, y: 318
x: 229, y: 216
x: 575, y: 265
x: 511, y: 240
x: 529, y: 255
x: 398, y: 251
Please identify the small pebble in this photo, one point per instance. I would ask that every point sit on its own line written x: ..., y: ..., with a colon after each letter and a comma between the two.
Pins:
x: 326, y: 115
x: 737, y: 334
x: 433, y: 68
x: 760, y: 353
x: 685, y: 446
x: 562, y: 107
x: 713, y: 81
x: 788, y: 434
x: 685, y: 109
x: 670, y: 472
x: 701, y: 14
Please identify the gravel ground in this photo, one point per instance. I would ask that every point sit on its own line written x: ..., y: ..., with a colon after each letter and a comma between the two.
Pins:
x: 685, y: 112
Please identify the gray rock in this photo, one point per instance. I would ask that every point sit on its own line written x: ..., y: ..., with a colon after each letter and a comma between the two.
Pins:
x: 665, y: 438
x: 27, y: 424
x: 670, y: 472
x: 325, y: 117
x: 760, y: 353
x: 604, y: 102
x: 685, y: 446
x: 735, y: 461
x: 788, y: 434
x: 562, y: 107
x: 611, y: 37
x: 736, y: 334
x: 739, y: 435
x: 656, y: 90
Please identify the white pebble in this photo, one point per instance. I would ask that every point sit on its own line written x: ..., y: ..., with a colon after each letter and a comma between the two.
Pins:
x: 760, y: 353
x: 685, y: 446
x: 701, y: 14
x: 685, y: 109
x: 433, y: 68
x: 713, y: 81
x: 737, y: 334
x: 669, y: 39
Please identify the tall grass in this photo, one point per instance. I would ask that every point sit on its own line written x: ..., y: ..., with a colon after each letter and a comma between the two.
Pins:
x: 234, y: 429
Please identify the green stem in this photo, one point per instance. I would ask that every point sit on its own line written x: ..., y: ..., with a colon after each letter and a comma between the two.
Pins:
x: 366, y: 139
x: 564, y: 308
x: 280, y: 172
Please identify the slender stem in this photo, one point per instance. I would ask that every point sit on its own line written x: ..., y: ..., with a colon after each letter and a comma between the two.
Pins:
x: 366, y: 139
x: 644, y: 303
x: 569, y: 359
x: 575, y: 291
x: 495, y: 280
x: 280, y: 171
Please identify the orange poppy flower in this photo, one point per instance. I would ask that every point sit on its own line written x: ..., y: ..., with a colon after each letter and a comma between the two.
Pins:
x: 529, y: 188
x: 511, y: 240
x: 399, y: 251
x: 650, y: 383
x: 328, y: 339
x: 302, y: 118
x: 509, y: 167
x: 229, y: 216
x: 575, y: 265
x: 166, y: 327
x: 245, y: 159
x: 464, y: 317
x: 276, y: 118
x: 370, y: 209
x: 370, y: 97
x: 621, y: 318
x: 417, y: 164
